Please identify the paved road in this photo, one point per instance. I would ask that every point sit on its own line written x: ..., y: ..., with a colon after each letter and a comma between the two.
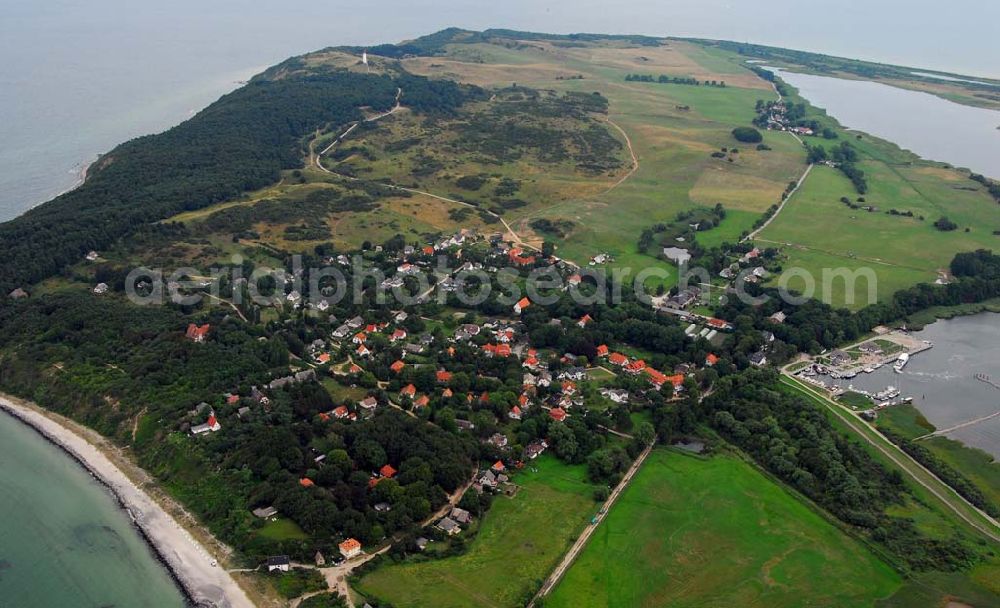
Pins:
x: 581, y: 542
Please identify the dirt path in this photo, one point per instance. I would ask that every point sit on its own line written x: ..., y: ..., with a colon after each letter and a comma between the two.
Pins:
x: 767, y: 223
x: 631, y: 151
x: 581, y: 542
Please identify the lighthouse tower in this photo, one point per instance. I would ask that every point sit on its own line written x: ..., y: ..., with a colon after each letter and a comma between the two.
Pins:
x: 364, y: 57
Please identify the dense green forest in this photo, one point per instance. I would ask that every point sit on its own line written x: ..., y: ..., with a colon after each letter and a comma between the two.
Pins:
x: 239, y: 143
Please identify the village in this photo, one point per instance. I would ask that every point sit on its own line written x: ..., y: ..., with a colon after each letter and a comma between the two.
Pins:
x: 418, y: 363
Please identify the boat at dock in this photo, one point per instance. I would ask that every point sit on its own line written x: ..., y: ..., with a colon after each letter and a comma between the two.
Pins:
x: 901, y: 363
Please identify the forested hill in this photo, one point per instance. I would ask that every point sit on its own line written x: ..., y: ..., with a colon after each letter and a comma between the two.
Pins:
x: 239, y: 143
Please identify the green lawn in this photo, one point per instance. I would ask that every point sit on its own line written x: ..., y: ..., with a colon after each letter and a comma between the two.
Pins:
x: 282, y: 529
x: 716, y: 532
x: 520, y: 541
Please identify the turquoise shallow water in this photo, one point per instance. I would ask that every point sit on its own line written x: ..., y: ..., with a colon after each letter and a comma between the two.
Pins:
x: 63, y: 540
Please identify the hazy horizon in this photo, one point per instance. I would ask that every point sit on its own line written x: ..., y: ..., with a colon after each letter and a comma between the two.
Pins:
x: 79, y: 78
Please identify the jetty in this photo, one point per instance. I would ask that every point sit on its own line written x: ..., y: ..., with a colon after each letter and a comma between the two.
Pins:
x: 985, y: 378
x: 963, y: 425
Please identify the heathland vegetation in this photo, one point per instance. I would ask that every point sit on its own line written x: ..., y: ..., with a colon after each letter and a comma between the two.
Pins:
x: 371, y: 419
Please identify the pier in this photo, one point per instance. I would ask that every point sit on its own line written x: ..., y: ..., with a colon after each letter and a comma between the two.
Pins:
x: 960, y: 426
x: 985, y: 378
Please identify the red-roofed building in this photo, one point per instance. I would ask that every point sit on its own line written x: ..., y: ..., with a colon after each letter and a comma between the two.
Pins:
x: 711, y: 360
x: 341, y: 412
x: 602, y: 350
x: 323, y: 358
x: 371, y: 328
x: 397, y: 366
x: 355, y: 368
x: 399, y: 334
x: 574, y: 279
x: 305, y: 482
x: 658, y: 379
x: 514, y: 413
x: 677, y: 380
x: 584, y: 320
x: 558, y: 414
x: 568, y: 387
x: 447, y: 392
x: 498, y: 466
x: 443, y: 376
x: 359, y: 338
x: 387, y: 471
x: 523, y: 400
x: 521, y: 305
x: 422, y: 401
x: 618, y: 359
x: 718, y: 324
x: 232, y: 399
x: 428, y: 250
x: 350, y: 548
x: 408, y: 391
x: 636, y: 366
x: 197, y: 333
x: 363, y: 351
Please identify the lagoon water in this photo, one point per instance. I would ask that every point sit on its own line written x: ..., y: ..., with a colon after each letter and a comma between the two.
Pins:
x: 942, y: 380
x: 932, y: 127
x: 77, y: 78
x: 63, y: 540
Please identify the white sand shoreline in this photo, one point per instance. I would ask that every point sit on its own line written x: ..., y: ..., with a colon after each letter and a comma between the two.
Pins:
x: 188, y: 561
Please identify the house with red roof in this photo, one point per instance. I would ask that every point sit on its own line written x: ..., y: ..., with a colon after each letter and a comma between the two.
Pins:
x: 657, y: 379
x: 341, y: 412
x: 397, y: 335
x: 677, y: 380
x: 602, y: 350
x: 359, y: 338
x: 408, y: 391
x: 584, y: 320
x: 209, y: 427
x: 422, y: 401
x: 711, y: 360
x: 447, y: 392
x: 305, y: 482
x: 635, y: 367
x: 197, y: 333
x: 618, y: 359
x: 558, y: 414
x: 350, y: 548
x: 397, y: 366
x: 363, y: 351
x: 522, y: 305
x: 443, y: 376
x: 323, y: 358
x: 387, y: 471
x: 514, y: 413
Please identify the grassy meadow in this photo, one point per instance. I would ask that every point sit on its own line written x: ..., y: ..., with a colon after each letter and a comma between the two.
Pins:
x: 519, y: 542
x: 716, y: 532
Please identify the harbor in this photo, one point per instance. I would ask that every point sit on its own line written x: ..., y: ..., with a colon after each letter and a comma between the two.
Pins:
x: 951, y: 375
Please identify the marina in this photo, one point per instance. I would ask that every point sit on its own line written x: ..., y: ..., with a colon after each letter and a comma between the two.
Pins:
x: 951, y: 375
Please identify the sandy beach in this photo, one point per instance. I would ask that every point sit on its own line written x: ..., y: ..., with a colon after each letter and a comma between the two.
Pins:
x: 205, y: 582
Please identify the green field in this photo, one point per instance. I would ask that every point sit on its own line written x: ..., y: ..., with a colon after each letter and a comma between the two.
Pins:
x: 819, y: 231
x: 716, y: 532
x: 976, y: 465
x: 519, y: 542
